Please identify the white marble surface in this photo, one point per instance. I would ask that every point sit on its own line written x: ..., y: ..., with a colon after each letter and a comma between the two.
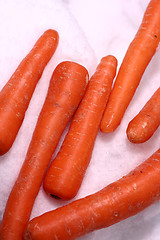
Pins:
x: 88, y: 31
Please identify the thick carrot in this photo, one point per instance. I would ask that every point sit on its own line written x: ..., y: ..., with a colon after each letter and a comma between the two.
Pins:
x: 118, y: 201
x: 66, y: 89
x: 67, y: 170
x: 137, y: 57
x: 16, y: 94
x: 145, y: 123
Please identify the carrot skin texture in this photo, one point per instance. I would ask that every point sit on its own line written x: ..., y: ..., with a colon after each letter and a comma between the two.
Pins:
x: 116, y: 202
x: 136, y: 59
x: 144, y: 124
x: 66, y: 89
x: 66, y: 172
x: 16, y: 94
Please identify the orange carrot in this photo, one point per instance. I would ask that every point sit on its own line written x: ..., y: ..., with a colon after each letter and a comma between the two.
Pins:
x: 66, y: 172
x: 16, y: 94
x: 137, y: 57
x: 142, y: 127
x: 66, y: 89
x: 118, y: 201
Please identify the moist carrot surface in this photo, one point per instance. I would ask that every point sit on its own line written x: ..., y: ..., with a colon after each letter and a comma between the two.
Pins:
x: 145, y: 123
x: 66, y: 89
x: 118, y: 201
x: 16, y: 94
x: 136, y: 59
x: 67, y: 170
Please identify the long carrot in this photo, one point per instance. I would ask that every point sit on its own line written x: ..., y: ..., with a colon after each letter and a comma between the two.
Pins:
x: 67, y: 170
x: 137, y: 57
x: 145, y: 123
x: 16, y: 94
x: 118, y: 201
x: 66, y: 89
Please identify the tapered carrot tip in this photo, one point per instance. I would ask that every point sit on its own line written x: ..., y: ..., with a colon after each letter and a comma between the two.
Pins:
x: 131, y: 134
x: 144, y: 124
x: 106, y: 125
x: 4, y: 148
x: 137, y: 133
x: 110, y: 60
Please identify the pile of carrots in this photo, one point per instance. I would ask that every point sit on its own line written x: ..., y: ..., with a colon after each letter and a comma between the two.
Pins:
x: 93, y: 104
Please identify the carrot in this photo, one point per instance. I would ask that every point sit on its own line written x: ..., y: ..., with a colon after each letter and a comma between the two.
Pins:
x: 137, y: 57
x: 66, y: 89
x: 16, y: 94
x: 142, y: 126
x: 116, y: 202
x: 67, y: 170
